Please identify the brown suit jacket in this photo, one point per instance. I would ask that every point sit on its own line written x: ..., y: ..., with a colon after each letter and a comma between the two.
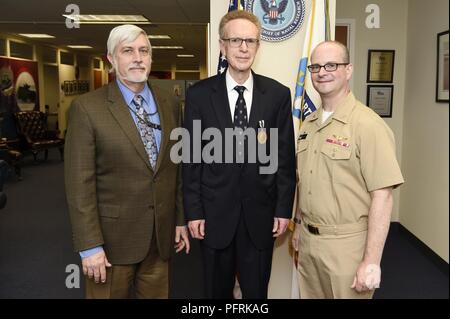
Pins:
x: 115, y: 198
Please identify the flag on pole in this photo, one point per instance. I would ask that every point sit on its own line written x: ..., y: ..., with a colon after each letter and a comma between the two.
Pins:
x: 306, y: 99
x: 234, y: 5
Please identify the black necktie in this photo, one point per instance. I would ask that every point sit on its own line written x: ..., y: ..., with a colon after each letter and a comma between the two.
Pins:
x: 240, y: 112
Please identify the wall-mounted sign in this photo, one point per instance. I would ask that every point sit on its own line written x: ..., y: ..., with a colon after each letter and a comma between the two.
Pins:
x: 280, y: 20
x: 19, y: 88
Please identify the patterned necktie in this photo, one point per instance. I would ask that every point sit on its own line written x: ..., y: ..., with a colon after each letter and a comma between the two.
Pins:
x: 147, y: 134
x: 240, y: 112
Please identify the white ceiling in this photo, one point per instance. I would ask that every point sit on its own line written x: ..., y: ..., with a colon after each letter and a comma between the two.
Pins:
x: 184, y: 20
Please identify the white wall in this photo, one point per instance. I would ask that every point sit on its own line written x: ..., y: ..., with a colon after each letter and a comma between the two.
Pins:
x: 66, y: 73
x: 51, y: 89
x: 424, y: 205
x: 390, y: 36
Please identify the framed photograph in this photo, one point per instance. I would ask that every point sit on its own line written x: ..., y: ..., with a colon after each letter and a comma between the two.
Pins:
x: 380, y: 66
x: 66, y: 87
x: 379, y: 99
x: 442, y: 68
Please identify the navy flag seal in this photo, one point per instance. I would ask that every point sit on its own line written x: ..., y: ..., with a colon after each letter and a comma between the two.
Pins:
x: 280, y: 20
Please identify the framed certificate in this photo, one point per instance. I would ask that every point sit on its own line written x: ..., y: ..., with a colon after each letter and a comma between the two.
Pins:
x: 380, y: 67
x: 442, y: 68
x: 379, y: 99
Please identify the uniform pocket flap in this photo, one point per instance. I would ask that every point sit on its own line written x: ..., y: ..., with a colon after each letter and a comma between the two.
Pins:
x: 336, y: 152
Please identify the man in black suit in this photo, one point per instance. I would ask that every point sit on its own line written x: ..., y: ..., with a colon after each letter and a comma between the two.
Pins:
x: 236, y: 209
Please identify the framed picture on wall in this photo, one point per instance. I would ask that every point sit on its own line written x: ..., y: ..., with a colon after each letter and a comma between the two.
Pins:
x: 379, y: 99
x: 380, y: 66
x: 442, y: 68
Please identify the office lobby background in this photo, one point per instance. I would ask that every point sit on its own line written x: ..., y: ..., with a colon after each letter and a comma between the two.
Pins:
x: 410, y: 27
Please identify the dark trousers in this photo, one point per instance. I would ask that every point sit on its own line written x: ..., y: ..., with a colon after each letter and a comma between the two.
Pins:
x: 241, y: 257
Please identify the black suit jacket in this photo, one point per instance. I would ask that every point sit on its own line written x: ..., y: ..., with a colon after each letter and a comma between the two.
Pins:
x: 217, y: 192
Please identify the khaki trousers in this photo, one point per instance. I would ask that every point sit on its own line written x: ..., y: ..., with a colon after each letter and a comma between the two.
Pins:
x: 148, y: 279
x: 327, y: 264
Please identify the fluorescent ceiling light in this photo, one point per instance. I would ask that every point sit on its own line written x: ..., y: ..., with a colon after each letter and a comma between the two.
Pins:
x: 167, y: 47
x: 36, y: 35
x: 79, y: 46
x: 159, y: 37
x: 185, y: 55
x: 107, y: 18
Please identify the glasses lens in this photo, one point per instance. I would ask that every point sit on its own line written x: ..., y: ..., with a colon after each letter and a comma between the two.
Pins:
x: 330, y: 67
x: 251, y: 42
x: 235, y: 42
x: 314, y: 68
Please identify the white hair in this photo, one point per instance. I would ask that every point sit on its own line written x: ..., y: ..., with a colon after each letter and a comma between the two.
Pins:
x: 124, y: 33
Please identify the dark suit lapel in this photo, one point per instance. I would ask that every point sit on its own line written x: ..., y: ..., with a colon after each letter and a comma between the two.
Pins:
x: 163, y: 106
x: 121, y: 113
x: 220, y: 103
x: 257, y: 110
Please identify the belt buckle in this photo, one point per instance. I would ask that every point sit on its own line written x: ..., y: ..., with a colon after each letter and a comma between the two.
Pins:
x: 313, y: 230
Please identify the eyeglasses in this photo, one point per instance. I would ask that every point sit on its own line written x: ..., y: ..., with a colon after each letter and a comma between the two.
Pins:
x: 237, y: 42
x: 329, y: 67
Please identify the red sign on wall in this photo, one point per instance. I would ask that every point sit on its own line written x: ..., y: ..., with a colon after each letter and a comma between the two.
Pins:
x: 19, y: 86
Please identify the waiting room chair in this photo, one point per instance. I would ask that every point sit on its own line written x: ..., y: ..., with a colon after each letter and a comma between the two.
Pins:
x: 34, y: 135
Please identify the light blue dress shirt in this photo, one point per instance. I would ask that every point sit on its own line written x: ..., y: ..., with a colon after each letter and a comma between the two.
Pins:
x: 149, y: 106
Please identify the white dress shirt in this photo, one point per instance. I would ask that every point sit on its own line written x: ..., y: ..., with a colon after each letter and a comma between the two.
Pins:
x: 325, y: 115
x: 233, y: 94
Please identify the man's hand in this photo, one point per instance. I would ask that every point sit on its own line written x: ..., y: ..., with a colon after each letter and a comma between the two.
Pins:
x: 95, y: 266
x: 368, y: 277
x: 279, y: 226
x: 296, y: 237
x: 181, y: 239
x: 197, y: 228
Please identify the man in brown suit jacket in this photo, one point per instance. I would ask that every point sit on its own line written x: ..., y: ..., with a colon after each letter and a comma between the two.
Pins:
x: 123, y: 190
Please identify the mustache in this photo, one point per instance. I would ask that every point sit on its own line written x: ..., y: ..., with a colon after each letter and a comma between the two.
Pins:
x: 136, y: 66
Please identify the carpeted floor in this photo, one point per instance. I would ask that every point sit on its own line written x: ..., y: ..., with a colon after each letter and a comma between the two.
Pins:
x: 36, y: 248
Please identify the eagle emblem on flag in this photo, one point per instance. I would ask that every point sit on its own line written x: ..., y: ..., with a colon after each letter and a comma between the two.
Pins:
x: 273, y: 12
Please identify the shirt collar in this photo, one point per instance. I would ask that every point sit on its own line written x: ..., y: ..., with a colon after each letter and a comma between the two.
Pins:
x: 345, y: 108
x: 342, y: 112
x: 128, y: 95
x: 231, y: 83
